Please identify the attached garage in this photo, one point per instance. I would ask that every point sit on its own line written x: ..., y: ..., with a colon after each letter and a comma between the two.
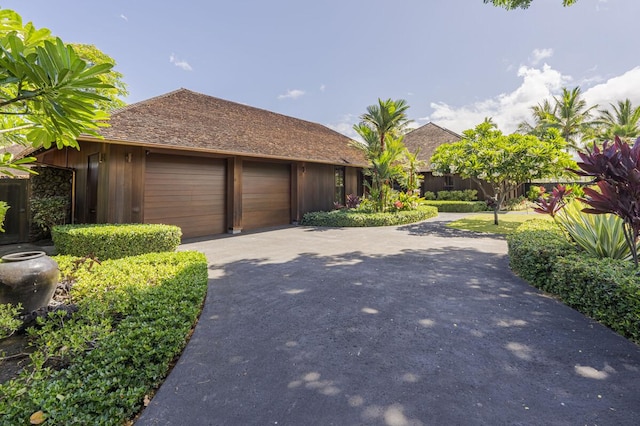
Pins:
x: 207, y: 165
x: 266, y: 195
x: 186, y: 191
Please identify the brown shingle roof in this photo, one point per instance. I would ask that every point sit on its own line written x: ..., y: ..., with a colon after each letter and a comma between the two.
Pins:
x: 190, y: 120
x: 428, y: 138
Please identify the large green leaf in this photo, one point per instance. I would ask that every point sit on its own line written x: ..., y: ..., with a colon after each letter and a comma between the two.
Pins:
x: 600, y: 235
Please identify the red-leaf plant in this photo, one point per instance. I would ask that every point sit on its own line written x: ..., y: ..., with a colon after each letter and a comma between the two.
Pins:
x: 553, y: 203
x: 616, y: 171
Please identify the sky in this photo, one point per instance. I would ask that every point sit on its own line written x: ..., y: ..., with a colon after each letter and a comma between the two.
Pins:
x: 455, y: 62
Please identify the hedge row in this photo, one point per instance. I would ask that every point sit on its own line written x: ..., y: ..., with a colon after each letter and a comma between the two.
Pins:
x: 115, y: 241
x: 354, y: 218
x: 133, y: 319
x: 606, y: 290
x: 458, y: 206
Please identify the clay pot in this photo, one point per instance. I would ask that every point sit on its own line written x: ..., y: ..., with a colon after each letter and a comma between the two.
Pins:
x: 29, y: 278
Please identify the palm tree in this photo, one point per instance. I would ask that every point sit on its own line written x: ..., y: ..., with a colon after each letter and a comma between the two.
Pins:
x: 543, y: 115
x: 571, y: 116
x: 623, y: 121
x: 387, y: 117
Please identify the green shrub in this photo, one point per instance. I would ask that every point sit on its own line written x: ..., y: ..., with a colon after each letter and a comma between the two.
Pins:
x: 3, y: 212
x: 355, y: 218
x: 47, y: 212
x: 9, y: 321
x: 115, y: 241
x: 429, y: 195
x: 607, y: 290
x: 141, y: 309
x: 516, y: 204
x: 464, y: 195
x: 458, y: 206
x: 535, y: 192
x: 534, y: 248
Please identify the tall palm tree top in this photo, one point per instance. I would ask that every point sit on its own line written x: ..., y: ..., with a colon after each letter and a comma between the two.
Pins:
x: 622, y: 120
x: 386, y: 117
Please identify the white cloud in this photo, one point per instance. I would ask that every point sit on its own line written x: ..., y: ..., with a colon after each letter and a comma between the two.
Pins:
x: 539, y: 54
x: 506, y: 109
x: 615, y: 89
x: 124, y: 17
x: 345, y: 126
x: 292, y: 94
x: 180, y: 63
x: 509, y: 109
x: 323, y: 88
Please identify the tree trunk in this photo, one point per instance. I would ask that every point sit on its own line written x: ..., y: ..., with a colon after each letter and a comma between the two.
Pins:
x: 499, y: 199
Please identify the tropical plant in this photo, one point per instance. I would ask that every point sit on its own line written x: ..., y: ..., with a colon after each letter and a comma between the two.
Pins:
x: 384, y: 170
x: 552, y: 203
x: 622, y: 120
x: 381, y: 129
x: 412, y: 179
x: 543, y: 114
x: 48, y: 93
x: 572, y: 117
x: 484, y: 154
x: 600, y: 235
x: 386, y: 118
x: 616, y: 172
x: 118, y: 88
x: 352, y: 201
x: 535, y: 192
x: 3, y: 213
x: 568, y: 113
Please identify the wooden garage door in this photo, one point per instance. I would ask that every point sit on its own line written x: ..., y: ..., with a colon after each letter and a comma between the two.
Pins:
x: 266, y: 195
x: 186, y: 191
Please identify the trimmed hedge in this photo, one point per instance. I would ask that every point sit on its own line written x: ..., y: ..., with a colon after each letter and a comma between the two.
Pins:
x: 606, y: 290
x: 458, y: 206
x: 139, y: 323
x: 115, y: 241
x: 354, y: 218
x: 533, y: 249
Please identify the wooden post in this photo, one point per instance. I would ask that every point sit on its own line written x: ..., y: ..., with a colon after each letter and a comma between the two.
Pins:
x: 234, y: 195
x: 297, y: 182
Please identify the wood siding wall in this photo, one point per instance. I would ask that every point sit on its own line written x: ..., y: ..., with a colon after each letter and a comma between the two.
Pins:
x: 318, y: 186
x: 266, y: 194
x: 188, y: 192
x: 15, y: 192
x: 438, y: 183
x: 202, y: 194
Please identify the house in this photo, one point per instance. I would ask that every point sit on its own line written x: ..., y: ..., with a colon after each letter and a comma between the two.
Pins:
x: 207, y: 165
x: 427, y: 138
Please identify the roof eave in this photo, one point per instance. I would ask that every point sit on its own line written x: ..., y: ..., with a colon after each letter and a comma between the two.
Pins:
x: 85, y: 138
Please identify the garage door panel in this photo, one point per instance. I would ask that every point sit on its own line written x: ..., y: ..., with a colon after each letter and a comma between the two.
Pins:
x: 189, y: 192
x: 266, y: 195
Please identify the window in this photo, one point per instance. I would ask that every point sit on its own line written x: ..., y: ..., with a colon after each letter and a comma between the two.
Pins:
x: 448, y: 183
x: 338, y: 195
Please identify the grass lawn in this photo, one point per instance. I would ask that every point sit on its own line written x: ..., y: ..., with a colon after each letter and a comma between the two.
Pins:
x: 483, y: 222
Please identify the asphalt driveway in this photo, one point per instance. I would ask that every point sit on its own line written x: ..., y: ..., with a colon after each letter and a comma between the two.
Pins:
x: 410, y: 325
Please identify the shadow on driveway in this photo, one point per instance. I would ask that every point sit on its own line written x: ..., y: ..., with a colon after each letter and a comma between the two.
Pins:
x: 423, y: 336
